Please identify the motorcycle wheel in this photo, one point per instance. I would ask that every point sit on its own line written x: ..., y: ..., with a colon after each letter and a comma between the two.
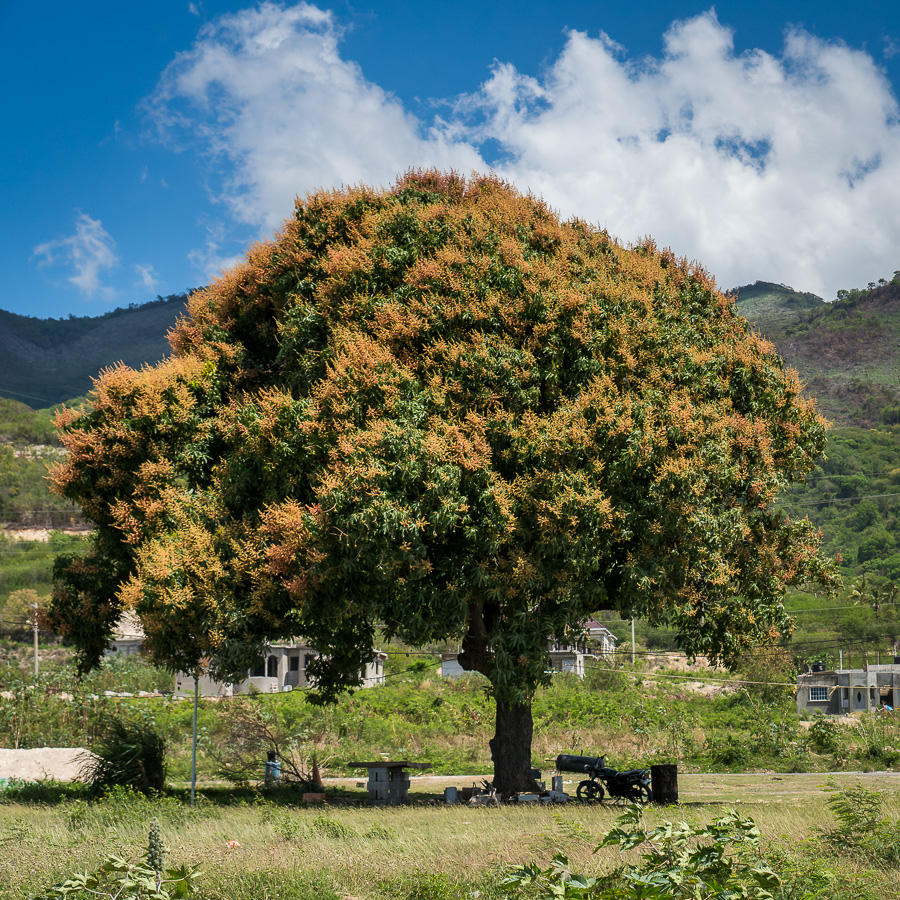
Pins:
x: 645, y: 795
x: 589, y: 790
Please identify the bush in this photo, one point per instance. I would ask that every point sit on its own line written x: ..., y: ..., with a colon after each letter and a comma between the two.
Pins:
x: 730, y: 751
x: 127, y: 753
x: 823, y: 734
x: 863, y: 830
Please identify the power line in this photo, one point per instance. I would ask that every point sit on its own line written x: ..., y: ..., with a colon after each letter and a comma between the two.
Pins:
x: 7, y: 390
x: 846, y: 499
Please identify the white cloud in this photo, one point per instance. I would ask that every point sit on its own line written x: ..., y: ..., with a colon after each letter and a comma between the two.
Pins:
x: 273, y: 103
x: 147, y: 277
x: 90, y: 252
x: 785, y: 169
x: 781, y: 167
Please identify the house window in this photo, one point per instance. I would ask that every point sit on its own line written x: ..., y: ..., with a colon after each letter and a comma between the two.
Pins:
x: 273, y: 667
x: 818, y: 694
x: 259, y: 671
x: 294, y: 664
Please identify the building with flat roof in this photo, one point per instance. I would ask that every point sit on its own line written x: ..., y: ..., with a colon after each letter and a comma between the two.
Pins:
x: 844, y: 691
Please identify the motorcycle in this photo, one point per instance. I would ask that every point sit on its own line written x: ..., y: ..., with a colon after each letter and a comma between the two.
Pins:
x: 632, y: 784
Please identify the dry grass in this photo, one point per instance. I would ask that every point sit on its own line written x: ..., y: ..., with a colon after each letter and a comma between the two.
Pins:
x: 366, y: 852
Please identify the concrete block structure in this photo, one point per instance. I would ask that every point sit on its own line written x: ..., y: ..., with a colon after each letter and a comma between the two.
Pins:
x: 127, y: 637
x: 282, y: 669
x: 844, y: 691
x: 573, y: 655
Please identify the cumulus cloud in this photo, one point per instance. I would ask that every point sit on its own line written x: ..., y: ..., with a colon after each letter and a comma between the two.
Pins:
x: 280, y: 112
x: 90, y: 251
x: 786, y: 169
x: 782, y: 167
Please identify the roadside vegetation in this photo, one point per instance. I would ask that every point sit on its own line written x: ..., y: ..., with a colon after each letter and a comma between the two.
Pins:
x: 835, y: 844
x: 703, y: 720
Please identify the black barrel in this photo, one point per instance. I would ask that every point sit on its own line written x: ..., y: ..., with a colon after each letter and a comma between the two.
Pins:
x: 568, y: 762
x: 664, y: 780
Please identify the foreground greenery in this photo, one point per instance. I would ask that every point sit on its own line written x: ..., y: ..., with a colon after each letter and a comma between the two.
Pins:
x: 834, y: 844
x: 633, y: 715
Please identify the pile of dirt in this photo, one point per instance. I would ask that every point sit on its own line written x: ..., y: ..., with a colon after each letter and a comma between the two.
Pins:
x: 42, y: 763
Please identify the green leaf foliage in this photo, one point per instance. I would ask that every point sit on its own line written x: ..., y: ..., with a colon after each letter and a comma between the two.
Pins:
x: 440, y: 411
x: 719, y: 861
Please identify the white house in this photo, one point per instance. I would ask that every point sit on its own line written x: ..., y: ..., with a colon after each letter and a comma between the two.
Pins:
x: 127, y: 637
x: 572, y: 655
x: 282, y: 669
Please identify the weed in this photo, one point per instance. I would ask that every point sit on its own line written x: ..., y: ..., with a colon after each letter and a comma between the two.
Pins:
x: 332, y: 828
x: 723, y: 859
x: 118, y: 879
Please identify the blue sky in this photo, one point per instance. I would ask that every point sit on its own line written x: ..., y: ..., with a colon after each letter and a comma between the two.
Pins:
x: 148, y: 143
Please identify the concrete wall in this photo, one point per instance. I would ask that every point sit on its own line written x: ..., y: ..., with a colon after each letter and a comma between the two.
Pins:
x: 849, y: 690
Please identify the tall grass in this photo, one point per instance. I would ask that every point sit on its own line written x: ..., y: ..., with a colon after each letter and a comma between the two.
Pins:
x: 262, y: 849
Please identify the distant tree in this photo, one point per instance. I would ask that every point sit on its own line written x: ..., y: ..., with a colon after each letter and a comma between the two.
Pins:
x: 21, y: 609
x: 438, y: 411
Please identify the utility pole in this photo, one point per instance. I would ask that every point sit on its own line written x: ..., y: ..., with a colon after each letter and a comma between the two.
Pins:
x: 194, y: 742
x: 34, y: 624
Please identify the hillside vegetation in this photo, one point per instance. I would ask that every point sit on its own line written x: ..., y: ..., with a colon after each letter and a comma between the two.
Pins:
x: 47, y: 361
x: 847, y: 352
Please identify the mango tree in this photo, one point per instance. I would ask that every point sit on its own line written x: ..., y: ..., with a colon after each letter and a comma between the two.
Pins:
x: 440, y: 412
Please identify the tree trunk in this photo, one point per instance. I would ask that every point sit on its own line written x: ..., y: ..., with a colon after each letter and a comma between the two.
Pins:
x: 511, y: 748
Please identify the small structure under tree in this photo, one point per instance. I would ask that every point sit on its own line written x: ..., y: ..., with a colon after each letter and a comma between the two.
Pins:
x: 440, y: 411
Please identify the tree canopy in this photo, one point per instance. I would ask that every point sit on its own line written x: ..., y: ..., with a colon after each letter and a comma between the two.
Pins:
x: 441, y: 412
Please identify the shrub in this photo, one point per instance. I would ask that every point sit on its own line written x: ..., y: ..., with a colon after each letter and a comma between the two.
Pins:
x: 863, y: 830
x: 126, y: 753
x: 824, y: 734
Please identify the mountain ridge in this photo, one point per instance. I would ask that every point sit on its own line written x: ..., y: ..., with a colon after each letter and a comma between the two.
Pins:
x: 846, y: 351
x: 48, y: 361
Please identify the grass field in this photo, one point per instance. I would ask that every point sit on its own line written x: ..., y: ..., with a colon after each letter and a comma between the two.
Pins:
x: 258, y: 847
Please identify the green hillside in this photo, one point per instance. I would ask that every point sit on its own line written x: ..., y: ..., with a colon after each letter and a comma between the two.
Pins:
x: 48, y: 361
x: 847, y: 352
